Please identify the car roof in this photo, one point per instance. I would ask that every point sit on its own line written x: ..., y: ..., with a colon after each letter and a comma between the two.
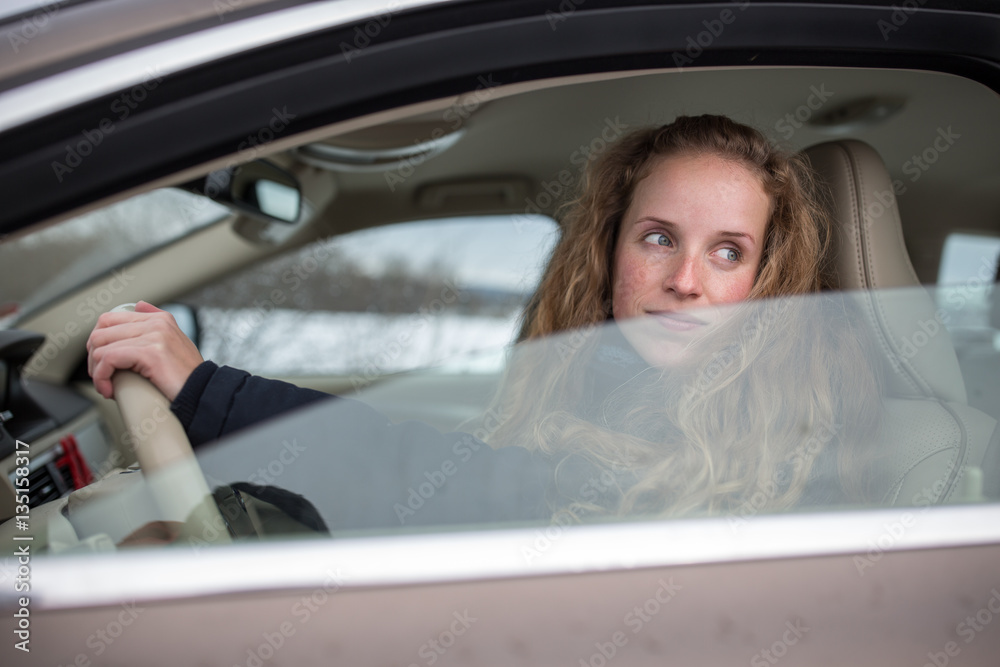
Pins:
x: 68, y: 35
x: 65, y: 45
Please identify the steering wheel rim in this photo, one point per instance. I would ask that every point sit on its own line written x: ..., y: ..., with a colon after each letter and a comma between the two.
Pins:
x: 166, y: 457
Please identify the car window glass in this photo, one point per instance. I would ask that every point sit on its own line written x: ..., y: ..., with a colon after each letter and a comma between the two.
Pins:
x: 379, y: 301
x: 969, y: 306
x: 966, y: 276
x: 56, y: 259
x: 625, y: 440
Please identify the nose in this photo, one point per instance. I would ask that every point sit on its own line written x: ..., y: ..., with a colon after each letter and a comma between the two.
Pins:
x: 683, y: 278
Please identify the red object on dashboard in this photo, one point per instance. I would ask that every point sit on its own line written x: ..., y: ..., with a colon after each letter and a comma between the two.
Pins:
x: 77, y: 465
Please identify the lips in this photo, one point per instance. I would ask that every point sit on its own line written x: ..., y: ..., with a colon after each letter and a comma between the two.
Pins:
x: 677, y: 321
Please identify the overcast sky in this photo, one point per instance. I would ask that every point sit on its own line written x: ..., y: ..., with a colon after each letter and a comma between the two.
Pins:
x: 966, y: 256
x: 502, y: 252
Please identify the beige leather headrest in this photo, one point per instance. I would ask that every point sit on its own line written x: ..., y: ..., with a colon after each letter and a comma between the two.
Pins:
x: 870, y: 255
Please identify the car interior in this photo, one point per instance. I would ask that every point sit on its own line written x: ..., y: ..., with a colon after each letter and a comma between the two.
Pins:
x: 910, y: 158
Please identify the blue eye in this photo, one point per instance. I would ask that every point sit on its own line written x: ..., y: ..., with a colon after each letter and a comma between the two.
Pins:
x: 657, y: 239
x: 730, y: 254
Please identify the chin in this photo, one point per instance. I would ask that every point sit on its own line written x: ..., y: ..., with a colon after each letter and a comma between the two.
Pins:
x: 659, y: 348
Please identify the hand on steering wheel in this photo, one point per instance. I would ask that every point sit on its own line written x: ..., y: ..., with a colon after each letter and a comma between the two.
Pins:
x: 143, y: 339
x: 131, y: 357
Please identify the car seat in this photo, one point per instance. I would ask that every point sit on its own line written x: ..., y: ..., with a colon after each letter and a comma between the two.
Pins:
x: 936, y: 448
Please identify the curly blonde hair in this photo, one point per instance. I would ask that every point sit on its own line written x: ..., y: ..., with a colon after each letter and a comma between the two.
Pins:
x: 575, y: 290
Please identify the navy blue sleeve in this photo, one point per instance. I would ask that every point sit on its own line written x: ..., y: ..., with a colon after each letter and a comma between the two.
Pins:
x: 218, y: 400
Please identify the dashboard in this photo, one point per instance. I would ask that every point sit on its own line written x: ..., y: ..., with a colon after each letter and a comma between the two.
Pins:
x: 70, y: 445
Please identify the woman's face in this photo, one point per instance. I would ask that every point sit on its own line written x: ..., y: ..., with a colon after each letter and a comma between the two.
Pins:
x: 691, y: 240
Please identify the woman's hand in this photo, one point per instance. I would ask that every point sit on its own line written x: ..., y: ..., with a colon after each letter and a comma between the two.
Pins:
x: 148, y: 342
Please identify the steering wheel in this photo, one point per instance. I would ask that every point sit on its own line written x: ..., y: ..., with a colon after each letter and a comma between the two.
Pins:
x: 165, y: 456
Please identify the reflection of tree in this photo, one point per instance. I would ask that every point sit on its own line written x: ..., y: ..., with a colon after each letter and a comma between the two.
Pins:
x: 252, y: 335
x: 61, y: 257
x: 339, y: 284
x: 296, y: 315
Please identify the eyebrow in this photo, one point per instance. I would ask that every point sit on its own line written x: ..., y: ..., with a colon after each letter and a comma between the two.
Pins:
x: 668, y: 223
x: 742, y: 235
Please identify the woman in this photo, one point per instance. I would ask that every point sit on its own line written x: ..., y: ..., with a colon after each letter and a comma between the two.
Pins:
x: 677, y: 230
x: 719, y: 404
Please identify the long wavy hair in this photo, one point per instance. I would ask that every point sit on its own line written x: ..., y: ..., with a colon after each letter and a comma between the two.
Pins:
x: 781, y: 386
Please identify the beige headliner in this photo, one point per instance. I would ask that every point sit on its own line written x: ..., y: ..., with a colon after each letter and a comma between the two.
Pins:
x: 534, y: 134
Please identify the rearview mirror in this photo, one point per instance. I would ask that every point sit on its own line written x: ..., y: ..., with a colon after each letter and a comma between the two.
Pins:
x: 260, y: 189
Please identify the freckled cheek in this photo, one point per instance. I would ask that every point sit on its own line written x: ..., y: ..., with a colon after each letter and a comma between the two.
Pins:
x: 631, y: 282
x: 736, y: 289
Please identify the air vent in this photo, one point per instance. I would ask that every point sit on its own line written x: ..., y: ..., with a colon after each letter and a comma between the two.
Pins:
x: 49, y: 481
x: 56, y: 473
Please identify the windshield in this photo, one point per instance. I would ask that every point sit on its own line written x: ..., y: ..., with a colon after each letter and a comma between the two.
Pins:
x: 784, y: 405
x: 54, y: 260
